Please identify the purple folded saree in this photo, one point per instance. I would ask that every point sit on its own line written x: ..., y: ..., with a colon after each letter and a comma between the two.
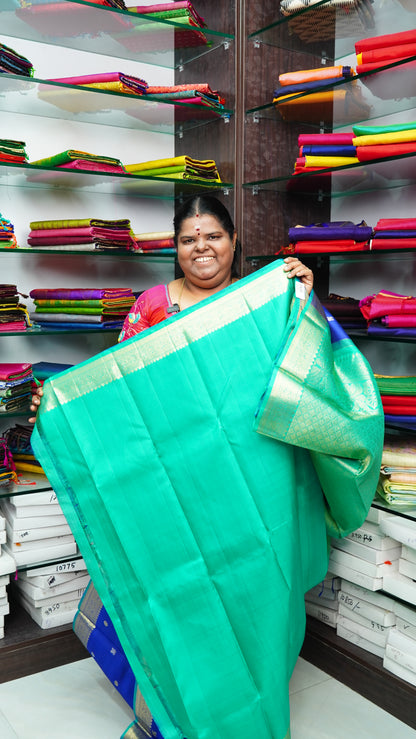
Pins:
x: 80, y: 293
x: 378, y: 330
x: 331, y: 230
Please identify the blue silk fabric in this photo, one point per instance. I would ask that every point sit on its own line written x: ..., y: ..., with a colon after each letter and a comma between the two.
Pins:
x: 180, y: 458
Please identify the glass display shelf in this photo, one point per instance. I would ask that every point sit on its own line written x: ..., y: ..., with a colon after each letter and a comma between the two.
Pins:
x: 38, y: 331
x: 317, y: 29
x: 112, y: 32
x: 389, y: 90
x: 28, y: 483
x: 36, y: 176
x: 139, y: 256
x: 353, y: 179
x: 346, y: 257
x: 38, y: 97
x: 397, y: 510
x: 362, y: 334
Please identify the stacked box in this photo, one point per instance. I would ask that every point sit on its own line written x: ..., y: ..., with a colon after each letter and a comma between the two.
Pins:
x: 400, y: 654
x: 365, y: 617
x: 367, y: 555
x: 402, y: 583
x: 321, y: 602
x: 7, y: 566
x: 51, y: 593
x: 37, y: 530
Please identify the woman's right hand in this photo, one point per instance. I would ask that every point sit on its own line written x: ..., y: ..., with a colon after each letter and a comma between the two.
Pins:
x: 36, y: 400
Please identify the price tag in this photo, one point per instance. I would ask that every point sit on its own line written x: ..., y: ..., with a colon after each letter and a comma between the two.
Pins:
x: 300, y: 290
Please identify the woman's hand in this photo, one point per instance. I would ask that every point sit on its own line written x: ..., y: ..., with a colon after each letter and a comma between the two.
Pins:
x: 36, y: 400
x: 295, y: 268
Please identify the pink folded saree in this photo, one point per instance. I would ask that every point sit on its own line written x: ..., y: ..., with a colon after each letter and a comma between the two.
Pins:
x: 386, y: 303
x: 405, y: 321
x: 384, y: 224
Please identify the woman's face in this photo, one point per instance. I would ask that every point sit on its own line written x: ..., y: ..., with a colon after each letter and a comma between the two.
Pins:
x: 205, y: 251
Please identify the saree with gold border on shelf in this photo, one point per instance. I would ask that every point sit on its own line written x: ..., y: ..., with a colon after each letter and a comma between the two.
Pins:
x: 201, y: 466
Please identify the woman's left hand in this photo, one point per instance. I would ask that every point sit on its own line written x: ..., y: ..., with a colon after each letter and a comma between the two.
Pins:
x: 294, y: 268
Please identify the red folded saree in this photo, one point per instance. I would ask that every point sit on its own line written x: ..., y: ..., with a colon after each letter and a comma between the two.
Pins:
x: 392, y: 244
x: 383, y: 151
x: 386, y: 40
x: 310, y: 247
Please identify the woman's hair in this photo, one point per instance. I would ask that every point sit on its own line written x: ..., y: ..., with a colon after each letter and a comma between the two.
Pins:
x: 207, y: 205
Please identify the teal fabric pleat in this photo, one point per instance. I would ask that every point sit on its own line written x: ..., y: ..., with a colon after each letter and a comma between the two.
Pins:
x: 201, y: 535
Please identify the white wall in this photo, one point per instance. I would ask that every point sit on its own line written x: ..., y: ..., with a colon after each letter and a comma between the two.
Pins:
x: 49, y: 136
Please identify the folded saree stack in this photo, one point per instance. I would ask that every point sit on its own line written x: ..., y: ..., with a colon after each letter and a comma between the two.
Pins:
x: 398, y: 396
x: 388, y: 63
x: 66, y: 308
x: 394, y: 233
x: 334, y: 236
x: 106, y: 81
x: 155, y: 242
x: 346, y: 310
x: 195, y: 94
x: 13, y: 313
x: 379, y: 142
x: 178, y: 168
x: 397, y: 484
x: 188, y: 27
x: 15, y: 387
x: 390, y: 314
x: 7, y: 235
x: 316, y: 95
x: 13, y: 63
x: 18, y: 439
x: 7, y: 472
x: 85, y: 234
x: 319, y: 151
x: 344, y: 17
x: 13, y: 152
x: 81, y: 160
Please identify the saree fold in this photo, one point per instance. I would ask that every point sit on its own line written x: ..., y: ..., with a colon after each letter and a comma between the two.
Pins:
x: 202, y: 535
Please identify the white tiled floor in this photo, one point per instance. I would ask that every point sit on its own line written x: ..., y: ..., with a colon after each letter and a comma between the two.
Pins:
x: 77, y: 702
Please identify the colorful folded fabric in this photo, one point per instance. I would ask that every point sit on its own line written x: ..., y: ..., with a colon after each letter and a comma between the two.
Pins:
x: 72, y: 156
x: 115, y: 81
x: 331, y: 230
x: 390, y: 243
x: 406, y: 321
x: 359, y: 130
x: 387, y: 138
x: 396, y: 223
x: 185, y: 168
x: 385, y: 151
x: 386, y: 303
x: 14, y: 63
x: 326, y: 139
x: 80, y: 293
x: 385, y: 41
x: 317, y: 247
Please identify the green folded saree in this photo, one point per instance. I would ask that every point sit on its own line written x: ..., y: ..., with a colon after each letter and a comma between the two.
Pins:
x: 201, y: 528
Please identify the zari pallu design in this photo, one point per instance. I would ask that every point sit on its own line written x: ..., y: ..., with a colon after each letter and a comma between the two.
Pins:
x: 201, y: 534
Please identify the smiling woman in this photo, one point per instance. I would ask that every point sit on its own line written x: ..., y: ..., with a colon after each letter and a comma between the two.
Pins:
x: 208, y: 251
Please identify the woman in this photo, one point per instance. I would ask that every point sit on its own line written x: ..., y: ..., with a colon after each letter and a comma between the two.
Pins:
x: 208, y: 250
x: 200, y: 529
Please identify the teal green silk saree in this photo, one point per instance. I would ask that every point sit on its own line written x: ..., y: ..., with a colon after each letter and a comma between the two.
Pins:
x: 181, y: 460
